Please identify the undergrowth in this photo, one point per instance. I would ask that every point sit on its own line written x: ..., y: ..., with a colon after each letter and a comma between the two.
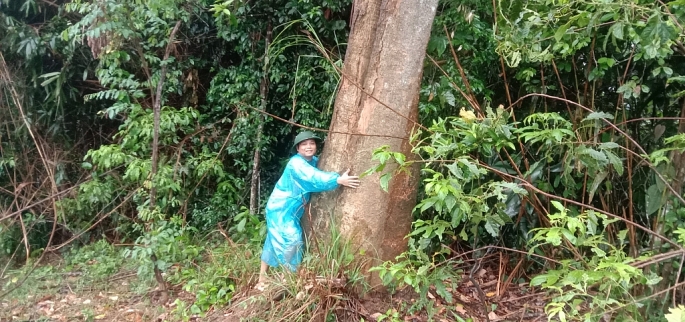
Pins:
x: 325, y: 287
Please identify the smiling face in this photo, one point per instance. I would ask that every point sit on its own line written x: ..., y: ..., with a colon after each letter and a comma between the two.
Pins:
x: 307, y: 148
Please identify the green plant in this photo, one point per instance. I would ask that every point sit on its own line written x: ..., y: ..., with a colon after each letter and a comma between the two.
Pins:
x: 676, y: 314
x: 391, y: 315
x: 170, y: 242
x: 421, y: 272
x: 248, y: 227
x: 596, y: 275
x: 224, y: 269
x: 98, y: 260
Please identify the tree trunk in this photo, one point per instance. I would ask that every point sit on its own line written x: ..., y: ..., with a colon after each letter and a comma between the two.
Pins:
x: 384, y: 57
x: 263, y: 89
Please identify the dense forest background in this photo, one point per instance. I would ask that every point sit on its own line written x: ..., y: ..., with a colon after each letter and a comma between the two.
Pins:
x: 552, y: 135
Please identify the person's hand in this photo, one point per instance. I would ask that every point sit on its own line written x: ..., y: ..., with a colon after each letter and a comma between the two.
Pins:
x: 348, y: 181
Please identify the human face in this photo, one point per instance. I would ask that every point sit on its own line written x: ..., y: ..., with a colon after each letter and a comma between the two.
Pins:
x: 307, y: 148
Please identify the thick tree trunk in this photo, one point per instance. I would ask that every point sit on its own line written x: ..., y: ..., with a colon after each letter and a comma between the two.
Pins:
x: 384, y: 57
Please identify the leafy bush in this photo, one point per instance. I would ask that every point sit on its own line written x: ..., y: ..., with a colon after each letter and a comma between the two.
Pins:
x: 597, y: 276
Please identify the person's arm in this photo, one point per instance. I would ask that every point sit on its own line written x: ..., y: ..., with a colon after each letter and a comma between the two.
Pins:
x: 312, y: 179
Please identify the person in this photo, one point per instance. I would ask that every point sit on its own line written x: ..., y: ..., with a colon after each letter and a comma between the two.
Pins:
x: 285, y: 207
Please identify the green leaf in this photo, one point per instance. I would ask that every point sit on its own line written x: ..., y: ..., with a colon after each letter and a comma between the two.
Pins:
x: 442, y: 291
x: 492, y: 227
x: 455, y: 170
x: 473, y: 168
x: 656, y: 71
x: 450, y: 202
x: 653, y: 279
x: 427, y: 203
x: 561, y: 31
x: 569, y: 236
x: 677, y: 79
x: 608, y: 145
x: 600, y: 157
x: 617, y: 30
x: 596, y: 181
x: 538, y: 280
x: 463, y: 235
x: 622, y: 235
x: 676, y: 314
x: 241, y: 225
x: 385, y: 179
x: 657, y: 29
x: 50, y: 77
x: 598, y: 115
x: 606, y: 61
x: 653, y: 199
x: 449, y: 97
x: 558, y: 205
x: 599, y: 252
x: 399, y: 158
x: 408, y: 280
x: 515, y: 188
x: 553, y: 236
x: 591, y: 223
x: 615, y: 162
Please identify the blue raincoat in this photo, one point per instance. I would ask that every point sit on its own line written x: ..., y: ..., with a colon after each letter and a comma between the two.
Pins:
x: 284, y: 209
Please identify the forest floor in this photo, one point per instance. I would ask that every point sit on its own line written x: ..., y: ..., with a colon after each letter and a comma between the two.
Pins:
x: 55, y: 291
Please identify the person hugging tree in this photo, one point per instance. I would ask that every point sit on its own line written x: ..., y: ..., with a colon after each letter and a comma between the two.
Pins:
x: 285, y: 207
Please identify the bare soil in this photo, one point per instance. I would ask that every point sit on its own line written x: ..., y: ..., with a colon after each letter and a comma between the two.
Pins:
x: 70, y: 296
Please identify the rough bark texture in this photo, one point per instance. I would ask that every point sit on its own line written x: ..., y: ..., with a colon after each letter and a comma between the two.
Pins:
x: 385, y: 57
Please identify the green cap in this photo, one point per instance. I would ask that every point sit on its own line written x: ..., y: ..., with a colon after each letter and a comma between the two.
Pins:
x: 302, y: 136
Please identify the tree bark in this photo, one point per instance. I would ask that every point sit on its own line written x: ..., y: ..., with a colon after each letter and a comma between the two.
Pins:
x: 263, y: 89
x: 383, y: 63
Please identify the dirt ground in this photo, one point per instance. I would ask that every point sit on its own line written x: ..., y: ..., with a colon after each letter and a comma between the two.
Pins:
x: 49, y: 295
x: 488, y: 300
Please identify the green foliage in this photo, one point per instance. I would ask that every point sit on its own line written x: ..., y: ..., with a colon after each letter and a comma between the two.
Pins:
x: 391, y: 315
x: 471, y: 192
x: 454, y: 190
x: 676, y: 314
x: 170, y: 241
x: 98, y: 260
x: 248, y: 227
x: 226, y: 268
x: 569, y: 27
x: 597, y: 274
x: 420, y: 271
x: 470, y: 34
x: 12, y: 243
